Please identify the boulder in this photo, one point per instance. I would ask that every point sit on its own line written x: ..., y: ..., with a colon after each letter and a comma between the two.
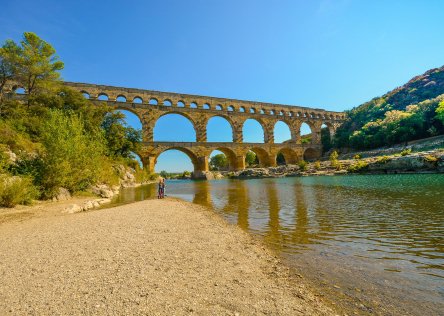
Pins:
x: 73, y: 208
x: 62, y: 195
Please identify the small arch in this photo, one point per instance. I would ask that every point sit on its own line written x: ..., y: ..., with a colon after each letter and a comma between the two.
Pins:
x: 281, y: 113
x: 85, y: 94
x: 138, y: 100
x: 167, y: 102
x: 180, y: 104
x: 242, y: 109
x: 193, y: 105
x: 261, y: 111
x: 291, y: 114
x: 230, y: 108
x: 272, y: 112
x: 20, y: 90
x: 121, y: 98
x: 153, y: 101
x: 252, y: 110
x: 102, y: 97
x: 311, y: 154
x: 218, y: 107
x: 206, y: 106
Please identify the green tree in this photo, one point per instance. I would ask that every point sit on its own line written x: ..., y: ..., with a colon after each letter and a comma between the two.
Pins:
x: 251, y: 158
x: 73, y: 159
x: 164, y: 174
x: 218, y: 162
x: 121, y: 139
x: 440, y: 112
x: 37, y: 67
x: 9, y: 54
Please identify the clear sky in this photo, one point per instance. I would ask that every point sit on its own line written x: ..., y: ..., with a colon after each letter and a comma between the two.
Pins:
x: 319, y: 53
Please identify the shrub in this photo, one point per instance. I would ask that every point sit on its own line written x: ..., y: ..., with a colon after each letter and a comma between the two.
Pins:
x: 16, y: 190
x: 430, y: 158
x: 73, y: 159
x: 383, y: 160
x: 334, y: 160
x: 357, y: 156
x: 406, y: 152
x: 317, y: 165
x: 303, y: 165
x: 358, y: 166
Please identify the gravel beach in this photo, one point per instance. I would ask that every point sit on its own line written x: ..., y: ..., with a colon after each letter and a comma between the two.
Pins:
x: 156, y: 257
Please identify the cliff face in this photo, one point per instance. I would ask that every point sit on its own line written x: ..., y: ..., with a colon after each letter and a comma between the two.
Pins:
x: 426, y: 91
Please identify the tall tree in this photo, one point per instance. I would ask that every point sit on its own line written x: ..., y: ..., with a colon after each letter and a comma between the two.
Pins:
x: 37, y: 65
x: 9, y: 54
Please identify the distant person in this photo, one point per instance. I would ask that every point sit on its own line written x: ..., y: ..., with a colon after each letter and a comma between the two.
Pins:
x: 160, y: 188
x: 163, y: 188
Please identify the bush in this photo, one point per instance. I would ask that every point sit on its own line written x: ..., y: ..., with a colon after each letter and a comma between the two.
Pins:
x: 383, y: 160
x: 303, y: 165
x: 73, y: 159
x: 406, y: 152
x: 334, y: 160
x: 317, y: 165
x: 357, y: 156
x: 16, y: 190
x: 358, y: 166
x: 430, y: 158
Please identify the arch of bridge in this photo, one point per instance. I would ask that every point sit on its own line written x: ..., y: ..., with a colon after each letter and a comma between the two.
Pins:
x: 265, y: 113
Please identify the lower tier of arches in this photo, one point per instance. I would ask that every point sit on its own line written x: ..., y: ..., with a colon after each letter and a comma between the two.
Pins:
x: 267, y: 155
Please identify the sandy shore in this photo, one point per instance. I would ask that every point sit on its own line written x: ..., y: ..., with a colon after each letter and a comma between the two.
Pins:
x: 156, y: 257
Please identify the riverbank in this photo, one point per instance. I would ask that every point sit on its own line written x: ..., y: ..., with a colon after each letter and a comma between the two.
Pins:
x: 156, y: 257
x: 406, y: 162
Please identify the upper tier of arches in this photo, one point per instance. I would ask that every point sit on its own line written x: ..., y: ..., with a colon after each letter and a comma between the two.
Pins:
x: 202, y: 103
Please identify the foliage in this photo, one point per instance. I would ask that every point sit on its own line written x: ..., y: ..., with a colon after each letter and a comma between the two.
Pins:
x: 16, y: 190
x: 164, y: 174
x: 334, y: 160
x: 440, y: 112
x: 303, y: 165
x: 357, y: 156
x: 406, y: 152
x: 317, y: 165
x: 404, y: 114
x: 9, y: 52
x: 218, y: 162
x: 251, y: 159
x: 383, y: 159
x: 121, y: 140
x: 358, y: 166
x: 186, y: 174
x: 306, y: 140
x: 430, y: 158
x: 73, y: 159
x: 326, y: 139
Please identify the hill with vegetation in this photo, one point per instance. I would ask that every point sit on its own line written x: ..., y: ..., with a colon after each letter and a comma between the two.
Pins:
x: 412, y: 111
x: 52, y: 137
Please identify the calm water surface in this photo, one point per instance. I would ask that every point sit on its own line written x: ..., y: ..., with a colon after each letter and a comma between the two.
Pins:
x: 374, y: 244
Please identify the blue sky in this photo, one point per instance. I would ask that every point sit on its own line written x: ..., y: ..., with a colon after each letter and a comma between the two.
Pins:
x: 327, y: 54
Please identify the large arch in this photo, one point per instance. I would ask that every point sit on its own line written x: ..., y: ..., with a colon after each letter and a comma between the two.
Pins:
x: 306, y: 133
x: 263, y: 156
x: 233, y: 163
x: 166, y: 133
x: 326, y: 136
x: 281, y: 132
x: 217, y: 129
x: 250, y: 131
x: 194, y: 160
x: 132, y: 118
x: 289, y: 155
x: 311, y: 154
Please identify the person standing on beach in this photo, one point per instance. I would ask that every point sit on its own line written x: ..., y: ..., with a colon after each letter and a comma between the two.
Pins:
x: 163, y: 188
x: 160, y: 188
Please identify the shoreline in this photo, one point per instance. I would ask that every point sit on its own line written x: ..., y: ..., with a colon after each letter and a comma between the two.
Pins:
x: 241, y: 265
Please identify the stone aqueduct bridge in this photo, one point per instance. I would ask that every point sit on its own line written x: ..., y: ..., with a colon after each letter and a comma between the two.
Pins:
x: 149, y: 106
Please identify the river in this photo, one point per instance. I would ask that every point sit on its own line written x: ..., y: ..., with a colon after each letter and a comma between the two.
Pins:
x: 372, y: 244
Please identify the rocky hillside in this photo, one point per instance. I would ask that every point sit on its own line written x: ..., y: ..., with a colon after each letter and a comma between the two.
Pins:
x: 403, y: 114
